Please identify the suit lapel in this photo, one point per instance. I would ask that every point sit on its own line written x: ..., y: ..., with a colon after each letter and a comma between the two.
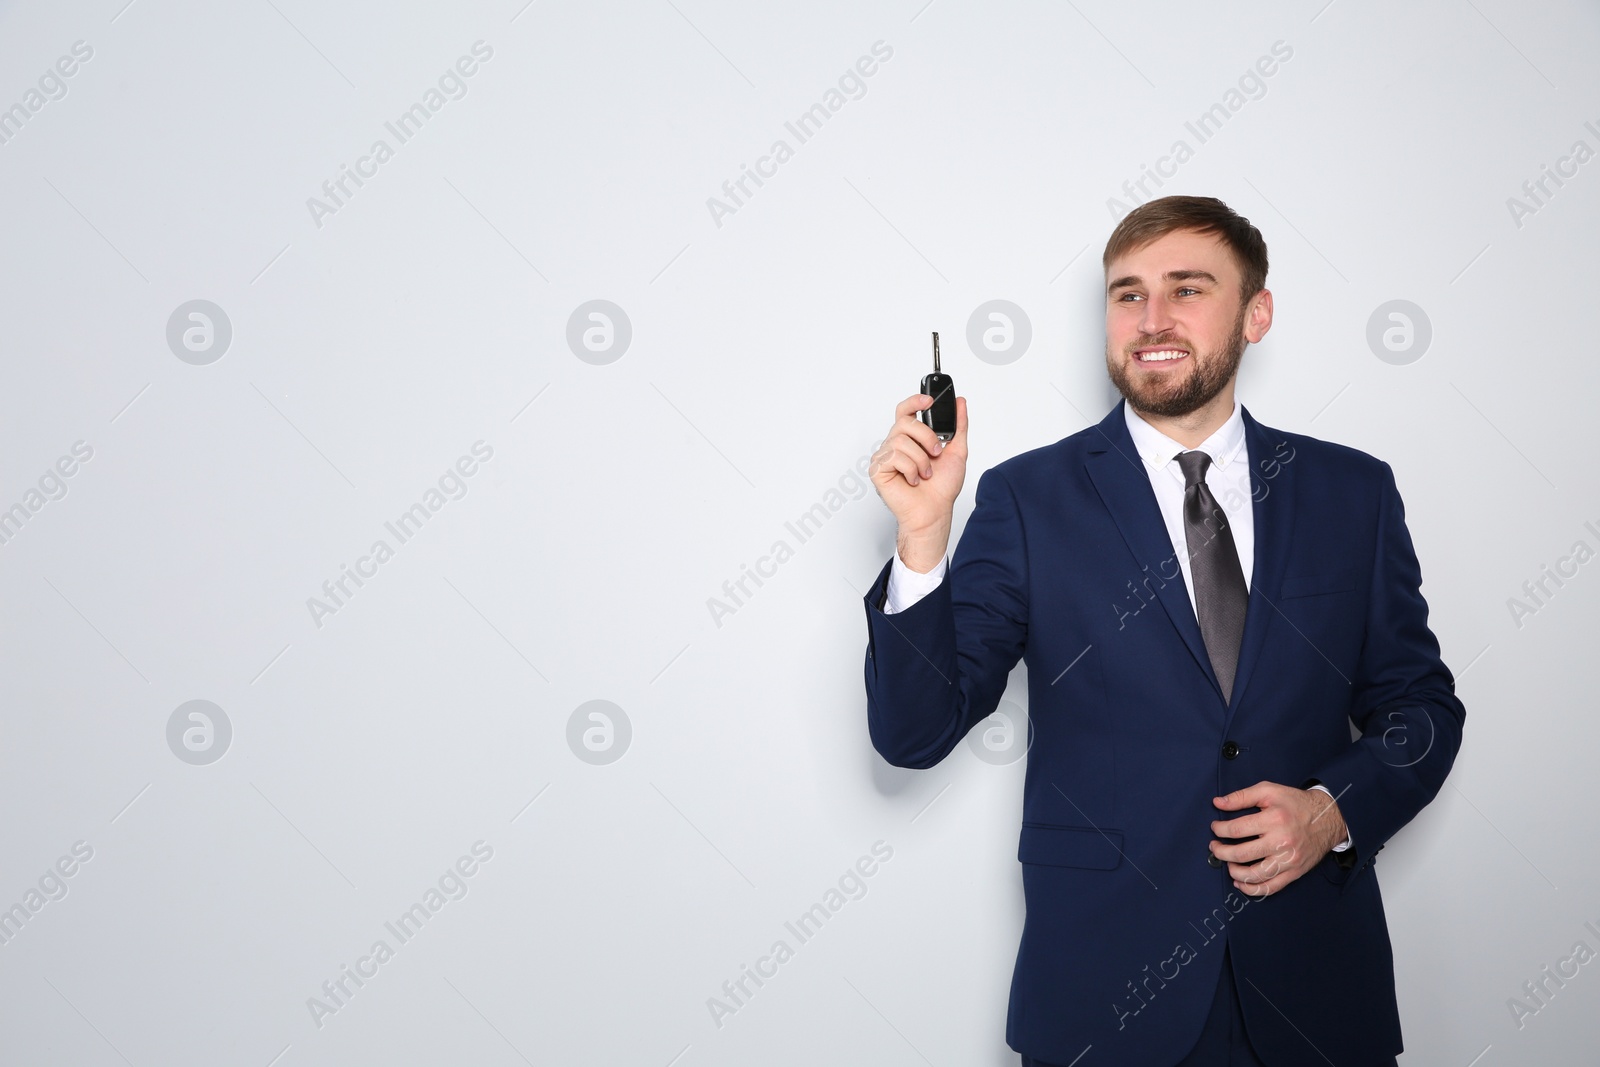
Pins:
x: 1272, y: 488
x: 1121, y: 479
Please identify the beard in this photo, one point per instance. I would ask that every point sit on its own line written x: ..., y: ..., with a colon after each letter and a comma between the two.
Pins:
x: 1173, y: 395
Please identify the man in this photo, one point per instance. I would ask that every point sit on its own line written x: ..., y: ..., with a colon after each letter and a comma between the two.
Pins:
x: 1205, y: 605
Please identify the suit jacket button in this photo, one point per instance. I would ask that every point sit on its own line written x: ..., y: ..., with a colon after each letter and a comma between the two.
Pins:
x: 1230, y: 750
x: 1212, y: 859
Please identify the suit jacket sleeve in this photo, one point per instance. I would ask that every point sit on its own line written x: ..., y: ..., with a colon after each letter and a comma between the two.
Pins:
x: 940, y: 666
x: 1404, y: 699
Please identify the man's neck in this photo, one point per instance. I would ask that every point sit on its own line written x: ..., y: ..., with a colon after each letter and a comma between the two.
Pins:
x: 1192, y: 429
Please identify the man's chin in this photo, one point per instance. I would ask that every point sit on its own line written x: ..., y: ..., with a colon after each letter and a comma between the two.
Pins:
x: 1170, y: 402
x: 1164, y: 408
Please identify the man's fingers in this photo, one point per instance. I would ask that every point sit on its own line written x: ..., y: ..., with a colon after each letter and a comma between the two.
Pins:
x: 901, y: 462
x: 1267, y: 888
x: 1258, y: 795
x: 1243, y: 852
x: 921, y: 433
x: 912, y: 449
x: 1275, y: 846
x: 1280, y: 859
x: 1240, y: 798
x: 1279, y: 865
x: 1243, y: 826
x: 912, y: 404
x: 1258, y: 866
x: 906, y: 422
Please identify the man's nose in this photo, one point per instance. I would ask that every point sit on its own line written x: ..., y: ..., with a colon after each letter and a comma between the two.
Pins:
x: 1157, y: 317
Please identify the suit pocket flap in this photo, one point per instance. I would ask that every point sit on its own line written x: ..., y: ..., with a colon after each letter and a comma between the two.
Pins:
x: 1315, y: 584
x: 1070, y: 846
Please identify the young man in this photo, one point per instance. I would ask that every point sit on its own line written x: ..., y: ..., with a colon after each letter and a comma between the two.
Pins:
x: 1205, y: 605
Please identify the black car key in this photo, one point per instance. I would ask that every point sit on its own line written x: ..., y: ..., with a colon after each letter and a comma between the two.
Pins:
x: 941, y: 416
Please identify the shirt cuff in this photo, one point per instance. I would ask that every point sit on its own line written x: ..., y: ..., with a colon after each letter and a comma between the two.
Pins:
x: 1346, y: 843
x: 906, y: 586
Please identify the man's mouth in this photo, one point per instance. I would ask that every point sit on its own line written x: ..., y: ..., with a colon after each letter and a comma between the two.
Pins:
x: 1159, y: 354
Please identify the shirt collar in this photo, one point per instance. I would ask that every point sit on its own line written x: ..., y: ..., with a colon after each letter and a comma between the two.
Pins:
x: 1225, y: 446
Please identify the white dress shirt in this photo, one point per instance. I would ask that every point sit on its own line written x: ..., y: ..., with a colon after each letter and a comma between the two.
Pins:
x: 1228, y: 477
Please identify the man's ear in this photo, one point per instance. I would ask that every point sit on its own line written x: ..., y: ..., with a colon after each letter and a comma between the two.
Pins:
x: 1258, y: 319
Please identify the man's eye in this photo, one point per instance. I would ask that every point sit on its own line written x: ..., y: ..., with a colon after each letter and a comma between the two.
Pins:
x: 1187, y: 289
x: 1130, y: 296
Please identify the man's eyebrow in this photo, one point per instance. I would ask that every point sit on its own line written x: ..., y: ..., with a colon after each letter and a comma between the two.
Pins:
x: 1171, y: 276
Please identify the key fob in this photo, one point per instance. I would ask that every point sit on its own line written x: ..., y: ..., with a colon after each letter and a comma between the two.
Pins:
x: 941, y: 416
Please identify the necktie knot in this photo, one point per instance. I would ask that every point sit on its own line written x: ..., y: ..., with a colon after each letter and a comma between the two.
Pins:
x: 1194, y: 466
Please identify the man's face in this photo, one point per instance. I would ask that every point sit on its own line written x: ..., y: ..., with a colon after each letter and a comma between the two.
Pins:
x: 1175, y: 329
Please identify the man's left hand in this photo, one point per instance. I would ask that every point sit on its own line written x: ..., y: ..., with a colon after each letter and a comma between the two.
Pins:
x: 1293, y: 830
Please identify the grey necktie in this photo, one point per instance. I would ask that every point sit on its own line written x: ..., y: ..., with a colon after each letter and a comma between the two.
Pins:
x: 1220, y: 595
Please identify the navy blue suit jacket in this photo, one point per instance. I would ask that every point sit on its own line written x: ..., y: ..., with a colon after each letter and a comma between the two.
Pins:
x: 1065, y: 563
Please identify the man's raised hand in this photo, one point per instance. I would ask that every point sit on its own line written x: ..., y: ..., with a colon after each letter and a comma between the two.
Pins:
x: 919, y: 479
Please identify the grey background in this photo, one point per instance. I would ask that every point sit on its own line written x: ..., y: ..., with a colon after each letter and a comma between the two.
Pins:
x: 431, y: 711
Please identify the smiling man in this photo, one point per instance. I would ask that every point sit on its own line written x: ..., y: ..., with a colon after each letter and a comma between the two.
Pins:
x: 1205, y: 605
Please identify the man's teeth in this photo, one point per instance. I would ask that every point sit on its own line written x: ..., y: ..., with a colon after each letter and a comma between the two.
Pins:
x: 1147, y: 357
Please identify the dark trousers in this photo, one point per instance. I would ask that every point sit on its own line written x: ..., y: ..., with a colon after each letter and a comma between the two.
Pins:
x: 1223, y: 1042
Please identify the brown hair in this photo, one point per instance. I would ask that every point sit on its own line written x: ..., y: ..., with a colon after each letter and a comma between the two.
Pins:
x: 1202, y: 214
